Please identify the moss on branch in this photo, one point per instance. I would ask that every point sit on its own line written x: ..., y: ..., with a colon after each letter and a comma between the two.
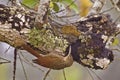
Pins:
x: 46, y: 40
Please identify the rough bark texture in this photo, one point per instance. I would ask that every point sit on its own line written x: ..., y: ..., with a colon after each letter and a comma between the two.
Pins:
x: 42, y: 11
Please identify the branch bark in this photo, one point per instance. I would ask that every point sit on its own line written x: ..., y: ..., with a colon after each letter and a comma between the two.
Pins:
x: 42, y: 11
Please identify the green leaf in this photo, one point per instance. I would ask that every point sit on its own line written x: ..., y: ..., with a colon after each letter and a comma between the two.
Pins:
x: 55, y: 7
x: 72, y: 5
x: 116, y: 42
x: 30, y: 3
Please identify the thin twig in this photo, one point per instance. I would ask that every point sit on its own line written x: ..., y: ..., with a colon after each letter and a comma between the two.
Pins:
x: 117, y: 19
x: 95, y: 74
x: 14, y: 64
x: 97, y: 6
x: 4, y: 62
x: 90, y: 73
x: 46, y: 74
x: 8, y: 61
x: 28, y: 62
x: 115, y: 6
x: 107, y: 10
x: 7, y: 49
x: 116, y: 49
x: 23, y: 67
x: 64, y: 75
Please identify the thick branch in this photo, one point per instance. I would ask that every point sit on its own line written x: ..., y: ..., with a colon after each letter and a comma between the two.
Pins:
x: 42, y: 11
x: 10, y: 36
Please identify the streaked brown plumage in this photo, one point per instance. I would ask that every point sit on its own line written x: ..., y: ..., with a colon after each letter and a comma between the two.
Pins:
x: 51, y: 60
x: 54, y: 60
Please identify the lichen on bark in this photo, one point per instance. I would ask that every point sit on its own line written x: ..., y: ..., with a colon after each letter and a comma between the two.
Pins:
x: 44, y: 39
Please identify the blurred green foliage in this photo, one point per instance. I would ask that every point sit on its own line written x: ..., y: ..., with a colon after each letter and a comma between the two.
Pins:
x: 115, y: 42
x: 30, y: 3
x: 72, y: 73
x: 3, y: 72
x: 54, y: 4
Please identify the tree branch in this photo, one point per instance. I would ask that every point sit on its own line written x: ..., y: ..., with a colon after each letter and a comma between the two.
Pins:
x: 42, y: 11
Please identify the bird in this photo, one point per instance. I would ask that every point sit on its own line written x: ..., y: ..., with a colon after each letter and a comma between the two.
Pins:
x: 52, y: 60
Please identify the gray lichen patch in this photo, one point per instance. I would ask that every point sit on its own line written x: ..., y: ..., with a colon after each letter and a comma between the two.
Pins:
x: 44, y: 39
